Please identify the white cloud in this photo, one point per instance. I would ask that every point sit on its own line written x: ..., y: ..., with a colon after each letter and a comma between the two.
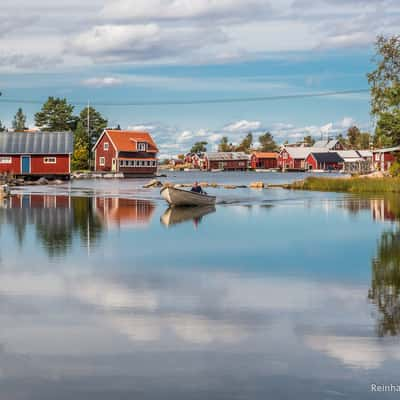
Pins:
x: 102, y: 82
x: 243, y: 126
x: 184, y: 9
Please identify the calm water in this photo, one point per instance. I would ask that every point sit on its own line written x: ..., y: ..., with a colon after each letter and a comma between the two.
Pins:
x: 106, y: 294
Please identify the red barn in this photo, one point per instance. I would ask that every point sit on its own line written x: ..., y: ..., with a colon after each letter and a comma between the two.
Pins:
x: 129, y: 152
x: 264, y: 160
x: 384, y: 158
x: 324, y: 161
x: 40, y: 154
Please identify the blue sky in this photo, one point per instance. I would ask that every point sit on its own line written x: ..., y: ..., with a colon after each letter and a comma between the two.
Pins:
x: 176, y: 50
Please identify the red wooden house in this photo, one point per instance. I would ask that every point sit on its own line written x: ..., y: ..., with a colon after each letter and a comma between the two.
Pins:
x: 129, y: 152
x: 293, y: 158
x: 324, y: 161
x: 40, y: 154
x: 384, y: 158
x: 264, y: 160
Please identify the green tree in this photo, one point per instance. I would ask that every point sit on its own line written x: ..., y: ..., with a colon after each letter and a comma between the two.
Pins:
x: 353, y: 136
x: 342, y: 140
x: 199, y: 147
x: 97, y: 123
x: 385, y: 90
x: 246, y: 144
x: 19, y: 121
x: 56, y: 115
x: 224, y: 145
x: 267, y: 142
x: 365, y: 141
x: 80, y: 157
x: 309, y: 140
x: 2, y: 127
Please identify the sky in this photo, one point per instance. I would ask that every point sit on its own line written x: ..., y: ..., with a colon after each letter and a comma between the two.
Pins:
x: 129, y: 51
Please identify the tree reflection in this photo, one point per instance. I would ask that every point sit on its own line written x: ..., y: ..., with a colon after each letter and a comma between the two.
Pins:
x: 385, y: 285
x: 57, y: 220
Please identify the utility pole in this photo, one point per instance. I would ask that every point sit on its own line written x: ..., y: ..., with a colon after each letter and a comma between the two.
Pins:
x: 88, y: 119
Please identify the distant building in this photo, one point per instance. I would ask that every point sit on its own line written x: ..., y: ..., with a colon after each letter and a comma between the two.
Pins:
x: 129, y: 152
x: 384, y: 158
x: 264, y: 160
x: 294, y: 158
x: 227, y: 161
x: 40, y: 154
x: 328, y: 145
x: 327, y: 161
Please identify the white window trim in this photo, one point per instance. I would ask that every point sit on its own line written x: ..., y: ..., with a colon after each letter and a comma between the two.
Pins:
x: 5, y: 160
x: 106, y: 146
x: 102, y: 161
x: 50, y: 160
x: 142, y: 146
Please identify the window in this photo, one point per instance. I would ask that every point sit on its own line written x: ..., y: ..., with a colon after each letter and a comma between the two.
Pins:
x: 148, y: 163
x: 126, y: 163
x: 132, y: 163
x: 5, y: 160
x: 121, y: 163
x: 377, y: 157
x: 106, y: 146
x: 154, y: 163
x: 50, y: 160
x: 142, y: 146
x: 102, y: 161
x: 142, y: 163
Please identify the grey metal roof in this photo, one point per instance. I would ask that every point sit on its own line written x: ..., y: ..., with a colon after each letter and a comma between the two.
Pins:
x: 36, y: 143
x: 226, y: 156
x: 328, y: 144
x: 328, y: 157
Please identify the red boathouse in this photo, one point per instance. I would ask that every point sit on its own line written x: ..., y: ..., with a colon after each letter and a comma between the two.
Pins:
x: 39, y: 154
x: 132, y: 153
x: 264, y: 160
x: 328, y: 161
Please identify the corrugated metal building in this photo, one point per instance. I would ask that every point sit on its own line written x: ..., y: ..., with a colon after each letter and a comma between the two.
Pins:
x: 227, y: 161
x: 36, y: 153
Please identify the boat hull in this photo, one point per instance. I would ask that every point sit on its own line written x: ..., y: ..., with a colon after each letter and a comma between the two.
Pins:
x: 178, y: 197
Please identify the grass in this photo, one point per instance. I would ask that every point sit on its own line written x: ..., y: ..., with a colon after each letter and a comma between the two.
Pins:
x: 352, y: 185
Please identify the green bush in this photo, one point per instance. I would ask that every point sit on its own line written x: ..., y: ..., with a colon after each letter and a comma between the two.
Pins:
x: 353, y: 185
x: 395, y: 169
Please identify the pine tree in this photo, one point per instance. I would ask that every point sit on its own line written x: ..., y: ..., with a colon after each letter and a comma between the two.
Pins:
x: 97, y: 123
x: 56, y: 115
x: 19, y: 121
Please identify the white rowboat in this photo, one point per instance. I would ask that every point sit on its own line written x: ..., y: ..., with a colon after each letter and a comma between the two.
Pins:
x: 179, y: 197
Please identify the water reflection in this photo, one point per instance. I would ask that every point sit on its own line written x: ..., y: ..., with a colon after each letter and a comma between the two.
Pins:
x: 124, y: 212
x: 58, y: 219
x: 177, y: 215
x: 385, y: 281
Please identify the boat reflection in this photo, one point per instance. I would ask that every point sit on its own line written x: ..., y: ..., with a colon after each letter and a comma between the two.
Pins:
x: 177, y: 215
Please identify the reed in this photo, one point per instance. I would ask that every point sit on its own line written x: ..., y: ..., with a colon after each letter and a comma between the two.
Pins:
x: 353, y: 185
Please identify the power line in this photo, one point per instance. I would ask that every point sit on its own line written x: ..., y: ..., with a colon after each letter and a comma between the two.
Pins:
x: 200, y: 101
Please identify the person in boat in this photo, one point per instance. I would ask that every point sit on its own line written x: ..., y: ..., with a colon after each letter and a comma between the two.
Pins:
x: 197, y: 188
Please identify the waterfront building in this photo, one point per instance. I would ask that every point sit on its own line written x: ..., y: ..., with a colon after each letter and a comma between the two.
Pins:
x: 264, y: 160
x: 384, y: 158
x: 226, y: 161
x: 128, y: 152
x: 327, y: 161
x: 36, y: 153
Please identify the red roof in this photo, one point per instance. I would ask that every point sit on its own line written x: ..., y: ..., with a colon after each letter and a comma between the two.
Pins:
x: 261, y: 154
x: 128, y: 140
